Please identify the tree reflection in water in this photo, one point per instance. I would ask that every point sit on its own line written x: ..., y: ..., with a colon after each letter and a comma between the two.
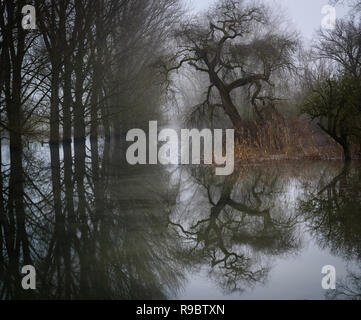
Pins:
x: 95, y: 228
x: 239, y: 228
x: 91, y: 227
x: 333, y: 216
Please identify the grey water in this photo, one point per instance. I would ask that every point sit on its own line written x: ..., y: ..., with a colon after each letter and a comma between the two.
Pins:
x: 97, y: 228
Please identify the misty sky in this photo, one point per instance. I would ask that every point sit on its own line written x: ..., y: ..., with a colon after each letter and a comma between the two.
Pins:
x: 304, y: 14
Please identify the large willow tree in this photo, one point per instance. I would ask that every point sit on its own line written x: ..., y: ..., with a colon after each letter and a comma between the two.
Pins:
x: 236, y: 47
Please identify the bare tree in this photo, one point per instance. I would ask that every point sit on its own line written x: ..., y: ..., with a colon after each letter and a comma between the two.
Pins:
x: 342, y: 45
x: 233, y: 46
x: 334, y: 102
x: 13, y: 80
x: 333, y: 97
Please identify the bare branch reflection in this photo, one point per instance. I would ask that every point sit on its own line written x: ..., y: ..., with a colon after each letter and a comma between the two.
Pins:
x: 240, y: 228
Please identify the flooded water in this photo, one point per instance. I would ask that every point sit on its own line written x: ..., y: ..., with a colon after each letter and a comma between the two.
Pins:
x: 96, y: 228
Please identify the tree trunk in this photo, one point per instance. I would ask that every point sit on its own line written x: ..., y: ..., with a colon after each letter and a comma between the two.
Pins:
x: 68, y: 101
x: 228, y: 106
x: 79, y: 109
x: 70, y: 217
x: 59, y: 227
x: 347, y: 152
x: 54, y: 106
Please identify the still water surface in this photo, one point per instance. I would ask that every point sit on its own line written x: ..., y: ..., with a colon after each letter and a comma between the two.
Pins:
x: 97, y: 228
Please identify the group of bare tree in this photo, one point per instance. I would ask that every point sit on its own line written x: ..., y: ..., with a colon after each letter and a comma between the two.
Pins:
x: 91, y: 67
x: 87, y: 70
x: 249, y: 59
x: 95, y: 68
x: 76, y: 74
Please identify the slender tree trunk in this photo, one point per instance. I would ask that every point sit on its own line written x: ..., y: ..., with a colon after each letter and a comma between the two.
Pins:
x: 105, y: 121
x: 79, y: 117
x: 60, y: 237
x: 97, y: 67
x: 54, y: 106
x: 68, y: 101
x: 70, y: 218
x: 15, y: 117
x: 81, y: 216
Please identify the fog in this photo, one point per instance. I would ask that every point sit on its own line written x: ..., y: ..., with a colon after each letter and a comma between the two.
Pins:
x: 305, y: 15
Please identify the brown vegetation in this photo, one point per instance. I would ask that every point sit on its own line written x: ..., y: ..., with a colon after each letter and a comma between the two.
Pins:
x: 285, y: 140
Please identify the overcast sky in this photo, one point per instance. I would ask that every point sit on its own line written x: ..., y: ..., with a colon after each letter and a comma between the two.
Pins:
x: 305, y: 14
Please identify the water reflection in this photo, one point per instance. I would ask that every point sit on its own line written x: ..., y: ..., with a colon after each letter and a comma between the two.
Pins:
x: 332, y: 213
x: 240, y: 227
x: 95, y: 228
x: 92, y: 228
